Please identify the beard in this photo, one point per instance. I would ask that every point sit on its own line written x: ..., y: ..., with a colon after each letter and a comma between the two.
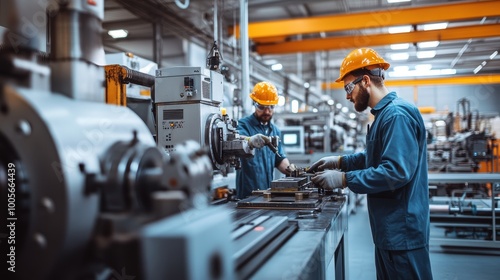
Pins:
x: 361, y: 100
x: 263, y: 118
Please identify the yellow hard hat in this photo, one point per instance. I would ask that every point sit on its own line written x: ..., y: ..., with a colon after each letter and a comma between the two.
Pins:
x: 361, y: 58
x: 265, y: 93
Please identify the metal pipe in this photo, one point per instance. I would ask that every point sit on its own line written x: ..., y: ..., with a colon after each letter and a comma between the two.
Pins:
x: 138, y: 78
x: 157, y: 44
x: 245, y: 67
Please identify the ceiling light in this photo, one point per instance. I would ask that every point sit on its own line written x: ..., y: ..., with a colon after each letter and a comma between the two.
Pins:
x: 295, y: 106
x: 493, y: 55
x: 419, y: 73
x: 426, y: 54
x: 330, y: 102
x: 118, y: 33
x: 447, y: 71
x: 400, y: 56
x: 276, y: 67
x: 352, y: 116
x: 478, y: 68
x: 430, y: 44
x: 397, y: 1
x: 435, y: 26
x: 270, y: 61
x: 307, y: 85
x: 399, y: 29
x: 344, y: 109
x: 404, y: 46
x: 338, y: 105
x: 440, y: 123
x: 401, y: 68
x: 423, y: 67
x: 281, y: 100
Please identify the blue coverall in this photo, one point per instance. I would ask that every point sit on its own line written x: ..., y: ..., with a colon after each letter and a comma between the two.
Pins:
x: 392, y: 171
x: 257, y: 173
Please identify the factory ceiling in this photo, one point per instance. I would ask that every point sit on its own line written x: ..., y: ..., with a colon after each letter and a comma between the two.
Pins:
x: 310, y: 38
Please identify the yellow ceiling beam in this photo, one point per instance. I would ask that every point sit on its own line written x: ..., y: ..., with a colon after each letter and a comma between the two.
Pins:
x: 357, y: 41
x: 373, y: 19
x: 453, y: 80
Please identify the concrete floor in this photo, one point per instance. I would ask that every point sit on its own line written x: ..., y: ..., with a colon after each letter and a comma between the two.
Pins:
x: 445, y: 266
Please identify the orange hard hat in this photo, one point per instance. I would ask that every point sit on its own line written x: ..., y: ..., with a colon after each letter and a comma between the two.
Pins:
x: 361, y: 58
x: 265, y: 93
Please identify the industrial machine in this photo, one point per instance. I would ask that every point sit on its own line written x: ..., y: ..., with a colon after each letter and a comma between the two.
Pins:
x: 89, y: 194
x: 313, y: 216
x: 470, y: 218
x: 187, y: 103
x: 84, y: 183
x: 463, y: 178
x: 295, y: 191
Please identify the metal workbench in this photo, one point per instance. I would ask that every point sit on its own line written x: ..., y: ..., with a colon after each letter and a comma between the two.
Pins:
x: 314, y: 248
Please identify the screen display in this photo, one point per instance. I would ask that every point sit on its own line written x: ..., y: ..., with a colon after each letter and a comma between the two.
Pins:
x: 290, y: 138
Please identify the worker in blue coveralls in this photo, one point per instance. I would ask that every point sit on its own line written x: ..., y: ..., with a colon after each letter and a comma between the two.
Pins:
x: 256, y: 173
x: 392, y: 171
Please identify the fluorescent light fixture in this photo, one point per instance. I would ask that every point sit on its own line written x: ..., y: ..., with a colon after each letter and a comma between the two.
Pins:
x: 400, y: 56
x: 423, y: 67
x: 493, y: 55
x: 399, y: 29
x: 397, y: 1
x: 447, y: 71
x: 295, y: 106
x: 478, y: 69
x: 404, y: 46
x: 420, y: 73
x: 401, y: 68
x: 118, y: 33
x: 270, y: 61
x: 281, y: 100
x: 435, y: 26
x: 426, y: 54
x: 440, y: 123
x: 430, y: 44
x: 276, y: 67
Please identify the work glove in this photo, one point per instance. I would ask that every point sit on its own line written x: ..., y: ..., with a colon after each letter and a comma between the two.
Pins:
x: 331, y: 162
x: 329, y: 179
x: 258, y: 141
x: 291, y: 168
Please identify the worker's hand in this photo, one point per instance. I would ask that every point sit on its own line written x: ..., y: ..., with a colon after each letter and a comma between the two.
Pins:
x: 331, y: 162
x: 291, y: 168
x: 258, y: 141
x: 329, y: 179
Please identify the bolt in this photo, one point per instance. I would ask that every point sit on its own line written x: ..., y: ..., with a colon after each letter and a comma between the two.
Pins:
x: 23, y: 127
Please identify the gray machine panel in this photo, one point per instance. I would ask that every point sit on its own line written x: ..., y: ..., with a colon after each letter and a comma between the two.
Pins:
x: 179, y: 84
x: 185, y: 97
x: 179, y: 122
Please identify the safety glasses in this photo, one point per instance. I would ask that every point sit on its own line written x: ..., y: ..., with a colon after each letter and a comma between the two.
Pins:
x: 261, y: 107
x: 350, y: 86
